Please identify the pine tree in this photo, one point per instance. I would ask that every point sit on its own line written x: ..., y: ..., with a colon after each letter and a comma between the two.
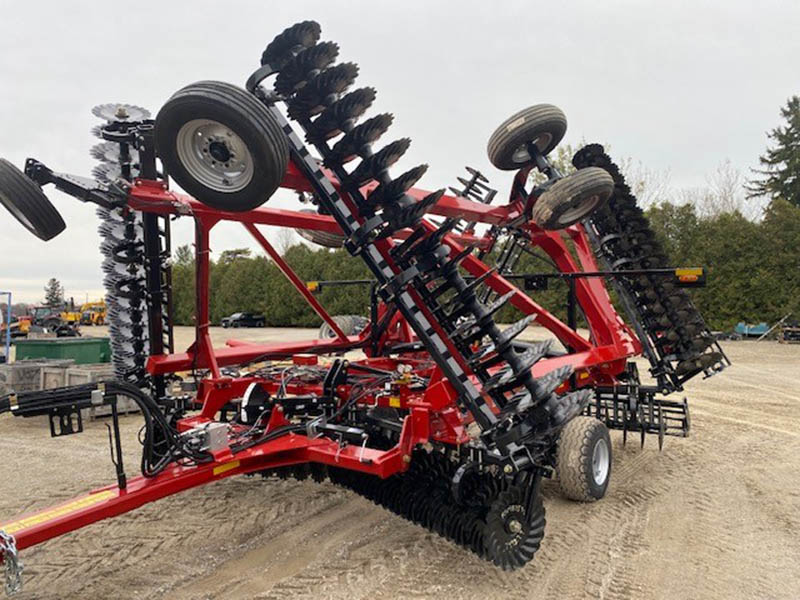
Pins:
x: 54, y: 293
x: 781, y: 173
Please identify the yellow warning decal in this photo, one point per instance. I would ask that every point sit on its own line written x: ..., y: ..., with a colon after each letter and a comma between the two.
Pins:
x: 394, y: 401
x: 59, y: 511
x: 226, y: 467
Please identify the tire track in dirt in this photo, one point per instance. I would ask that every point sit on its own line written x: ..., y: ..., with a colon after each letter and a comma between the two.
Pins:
x: 283, y: 556
x: 713, y: 516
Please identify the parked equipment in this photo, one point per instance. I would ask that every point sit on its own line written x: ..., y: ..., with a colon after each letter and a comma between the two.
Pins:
x: 789, y: 331
x: 93, y: 313
x: 448, y: 420
x: 242, y: 319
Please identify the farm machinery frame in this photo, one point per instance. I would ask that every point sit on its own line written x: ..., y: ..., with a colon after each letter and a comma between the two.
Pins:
x: 446, y: 419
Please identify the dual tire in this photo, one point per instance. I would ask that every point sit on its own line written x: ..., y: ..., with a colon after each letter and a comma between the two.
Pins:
x: 536, y: 131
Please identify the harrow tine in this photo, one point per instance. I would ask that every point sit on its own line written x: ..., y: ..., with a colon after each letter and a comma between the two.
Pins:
x: 624, y: 425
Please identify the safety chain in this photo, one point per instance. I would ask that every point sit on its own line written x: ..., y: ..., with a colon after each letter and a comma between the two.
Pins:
x: 13, y: 566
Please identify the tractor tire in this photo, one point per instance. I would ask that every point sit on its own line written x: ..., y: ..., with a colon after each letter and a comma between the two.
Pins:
x: 583, y: 460
x: 221, y: 145
x: 542, y: 124
x: 573, y: 198
x: 349, y: 324
x: 325, y: 239
x: 27, y: 203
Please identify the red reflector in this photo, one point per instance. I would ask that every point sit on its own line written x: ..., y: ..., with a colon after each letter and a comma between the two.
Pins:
x: 305, y: 359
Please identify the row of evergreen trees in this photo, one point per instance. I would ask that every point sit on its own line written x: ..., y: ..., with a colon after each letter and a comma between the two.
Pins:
x: 753, y: 272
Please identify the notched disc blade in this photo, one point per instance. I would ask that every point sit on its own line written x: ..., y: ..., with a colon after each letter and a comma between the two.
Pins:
x: 121, y: 112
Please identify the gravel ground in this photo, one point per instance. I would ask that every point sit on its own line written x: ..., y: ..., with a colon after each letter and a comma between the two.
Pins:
x: 716, y: 515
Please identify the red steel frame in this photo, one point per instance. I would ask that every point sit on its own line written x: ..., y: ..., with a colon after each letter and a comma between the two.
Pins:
x: 432, y: 413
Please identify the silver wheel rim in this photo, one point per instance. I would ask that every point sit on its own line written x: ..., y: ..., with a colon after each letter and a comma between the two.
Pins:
x: 579, y: 211
x: 600, y: 462
x: 214, y: 155
x: 521, y: 154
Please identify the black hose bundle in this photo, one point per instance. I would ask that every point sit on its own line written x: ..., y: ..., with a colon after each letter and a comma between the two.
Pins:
x: 161, y: 443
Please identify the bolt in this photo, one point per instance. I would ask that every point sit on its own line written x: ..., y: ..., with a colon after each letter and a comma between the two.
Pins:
x: 406, y: 458
x: 508, y: 469
x: 515, y: 526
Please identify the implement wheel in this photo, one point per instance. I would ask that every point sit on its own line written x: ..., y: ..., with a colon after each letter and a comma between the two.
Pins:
x: 349, y: 324
x: 583, y: 462
x: 573, y: 198
x: 326, y: 239
x: 221, y: 145
x: 27, y: 202
x: 543, y: 125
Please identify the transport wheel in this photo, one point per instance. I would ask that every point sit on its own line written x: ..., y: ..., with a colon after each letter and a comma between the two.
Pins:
x: 27, y: 202
x: 325, y: 239
x: 543, y: 125
x: 221, y: 145
x: 583, y: 462
x: 573, y: 198
x: 349, y: 324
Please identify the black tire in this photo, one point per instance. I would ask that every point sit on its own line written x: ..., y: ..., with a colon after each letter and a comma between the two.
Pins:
x: 27, y: 203
x: 573, y: 198
x: 543, y: 124
x: 579, y: 445
x: 243, y: 124
x: 321, y: 238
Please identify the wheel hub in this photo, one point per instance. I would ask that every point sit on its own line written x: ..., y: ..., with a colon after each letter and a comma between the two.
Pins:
x: 600, y: 462
x: 219, y: 151
x: 215, y: 155
x: 579, y: 209
x: 514, y: 526
x: 522, y: 155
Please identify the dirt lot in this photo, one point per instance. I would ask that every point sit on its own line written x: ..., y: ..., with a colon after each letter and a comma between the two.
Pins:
x: 716, y: 515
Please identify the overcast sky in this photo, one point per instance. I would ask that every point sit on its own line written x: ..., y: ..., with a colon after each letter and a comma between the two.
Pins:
x: 679, y: 86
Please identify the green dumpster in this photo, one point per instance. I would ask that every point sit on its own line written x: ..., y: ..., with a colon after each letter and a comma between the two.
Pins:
x: 88, y: 350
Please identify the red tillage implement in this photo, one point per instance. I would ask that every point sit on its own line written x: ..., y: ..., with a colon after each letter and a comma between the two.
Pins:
x: 446, y: 418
